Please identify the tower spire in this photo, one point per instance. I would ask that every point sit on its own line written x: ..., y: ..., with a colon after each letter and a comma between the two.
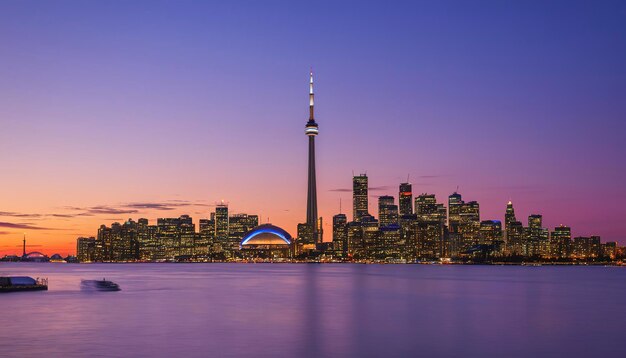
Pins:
x: 24, y: 247
x: 311, y: 116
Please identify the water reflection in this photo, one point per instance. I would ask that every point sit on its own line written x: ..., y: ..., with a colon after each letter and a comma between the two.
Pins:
x: 287, y: 310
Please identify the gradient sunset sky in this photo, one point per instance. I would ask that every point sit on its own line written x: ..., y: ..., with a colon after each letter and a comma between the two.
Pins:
x: 112, y: 110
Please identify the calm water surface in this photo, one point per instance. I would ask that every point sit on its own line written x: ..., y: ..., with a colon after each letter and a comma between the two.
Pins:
x: 309, y: 310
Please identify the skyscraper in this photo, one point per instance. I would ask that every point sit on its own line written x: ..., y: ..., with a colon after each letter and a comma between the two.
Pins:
x: 359, y: 197
x: 221, y: 226
x: 387, y: 211
x: 311, y: 130
x: 405, y: 199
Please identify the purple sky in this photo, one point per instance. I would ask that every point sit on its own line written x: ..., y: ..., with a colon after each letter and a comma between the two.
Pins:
x: 106, y: 103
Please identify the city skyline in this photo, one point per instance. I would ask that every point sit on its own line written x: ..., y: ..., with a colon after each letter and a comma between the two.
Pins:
x: 93, y: 138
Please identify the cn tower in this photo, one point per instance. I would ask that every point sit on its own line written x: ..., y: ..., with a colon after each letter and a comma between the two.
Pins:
x: 311, y: 201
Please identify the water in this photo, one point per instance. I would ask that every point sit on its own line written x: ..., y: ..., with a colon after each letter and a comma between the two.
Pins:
x: 309, y: 310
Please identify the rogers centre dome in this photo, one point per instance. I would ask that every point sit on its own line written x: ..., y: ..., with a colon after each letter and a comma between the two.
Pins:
x: 266, y: 241
x: 266, y: 234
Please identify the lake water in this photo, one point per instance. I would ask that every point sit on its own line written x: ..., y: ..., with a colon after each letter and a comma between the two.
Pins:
x: 313, y: 310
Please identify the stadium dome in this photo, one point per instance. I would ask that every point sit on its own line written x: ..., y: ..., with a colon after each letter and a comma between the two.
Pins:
x: 266, y: 235
x: 35, y: 257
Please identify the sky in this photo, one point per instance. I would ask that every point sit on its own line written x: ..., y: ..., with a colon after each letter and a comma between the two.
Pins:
x: 112, y: 110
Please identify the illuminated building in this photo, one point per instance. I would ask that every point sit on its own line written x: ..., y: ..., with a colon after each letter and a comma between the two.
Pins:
x: 371, y: 244
x: 431, y: 224
x: 359, y: 197
x: 455, y: 242
x: 405, y: 199
x: 509, y: 215
x: 515, y: 238
x: 609, y: 250
x: 204, y: 240
x: 187, y: 232
x: 238, y: 226
x: 561, y: 242
x: 585, y: 248
x: 392, y: 245
x: 86, y: 249
x: 490, y: 232
x: 266, y: 242
x: 221, y: 227
x: 387, y: 211
x: 469, y: 225
x: 340, y: 233
x: 455, y: 202
x: 355, y: 238
x: 168, y: 237
x: 537, y: 238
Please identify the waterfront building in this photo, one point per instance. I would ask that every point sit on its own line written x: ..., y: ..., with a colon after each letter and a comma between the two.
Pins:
x: 86, y: 249
x: 515, y: 238
x: 187, y: 232
x: 455, y: 202
x: 221, y: 227
x: 609, y: 250
x: 359, y: 197
x: 469, y: 225
x: 204, y: 239
x: 585, y: 248
x: 561, y: 242
x: 169, y: 237
x: 354, y: 245
x: 387, y: 211
x: 431, y: 224
x: 490, y: 232
x: 340, y: 234
x: 238, y: 226
x: 537, y: 242
x: 405, y: 199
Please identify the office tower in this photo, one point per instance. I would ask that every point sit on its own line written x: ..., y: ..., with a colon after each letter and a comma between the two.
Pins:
x: 405, y: 199
x: 469, y: 225
x: 340, y: 233
x: 86, y: 249
x: 221, y: 226
x: 509, y: 215
x: 169, y: 237
x: 537, y: 237
x: 387, y: 211
x: 585, y: 248
x: 454, y: 211
x: 490, y: 232
x: 609, y: 250
x: 392, y: 244
x: 311, y: 130
x: 359, y: 197
x: 371, y: 244
x: 560, y: 242
x: 206, y: 233
x: 354, y: 246
x: 515, y: 238
x: 187, y: 232
x: 148, y: 244
x: 238, y: 226
x: 431, y: 222
x: 455, y: 202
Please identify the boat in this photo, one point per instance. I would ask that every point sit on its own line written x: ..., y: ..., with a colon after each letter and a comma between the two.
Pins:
x: 22, y: 284
x: 99, y: 285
